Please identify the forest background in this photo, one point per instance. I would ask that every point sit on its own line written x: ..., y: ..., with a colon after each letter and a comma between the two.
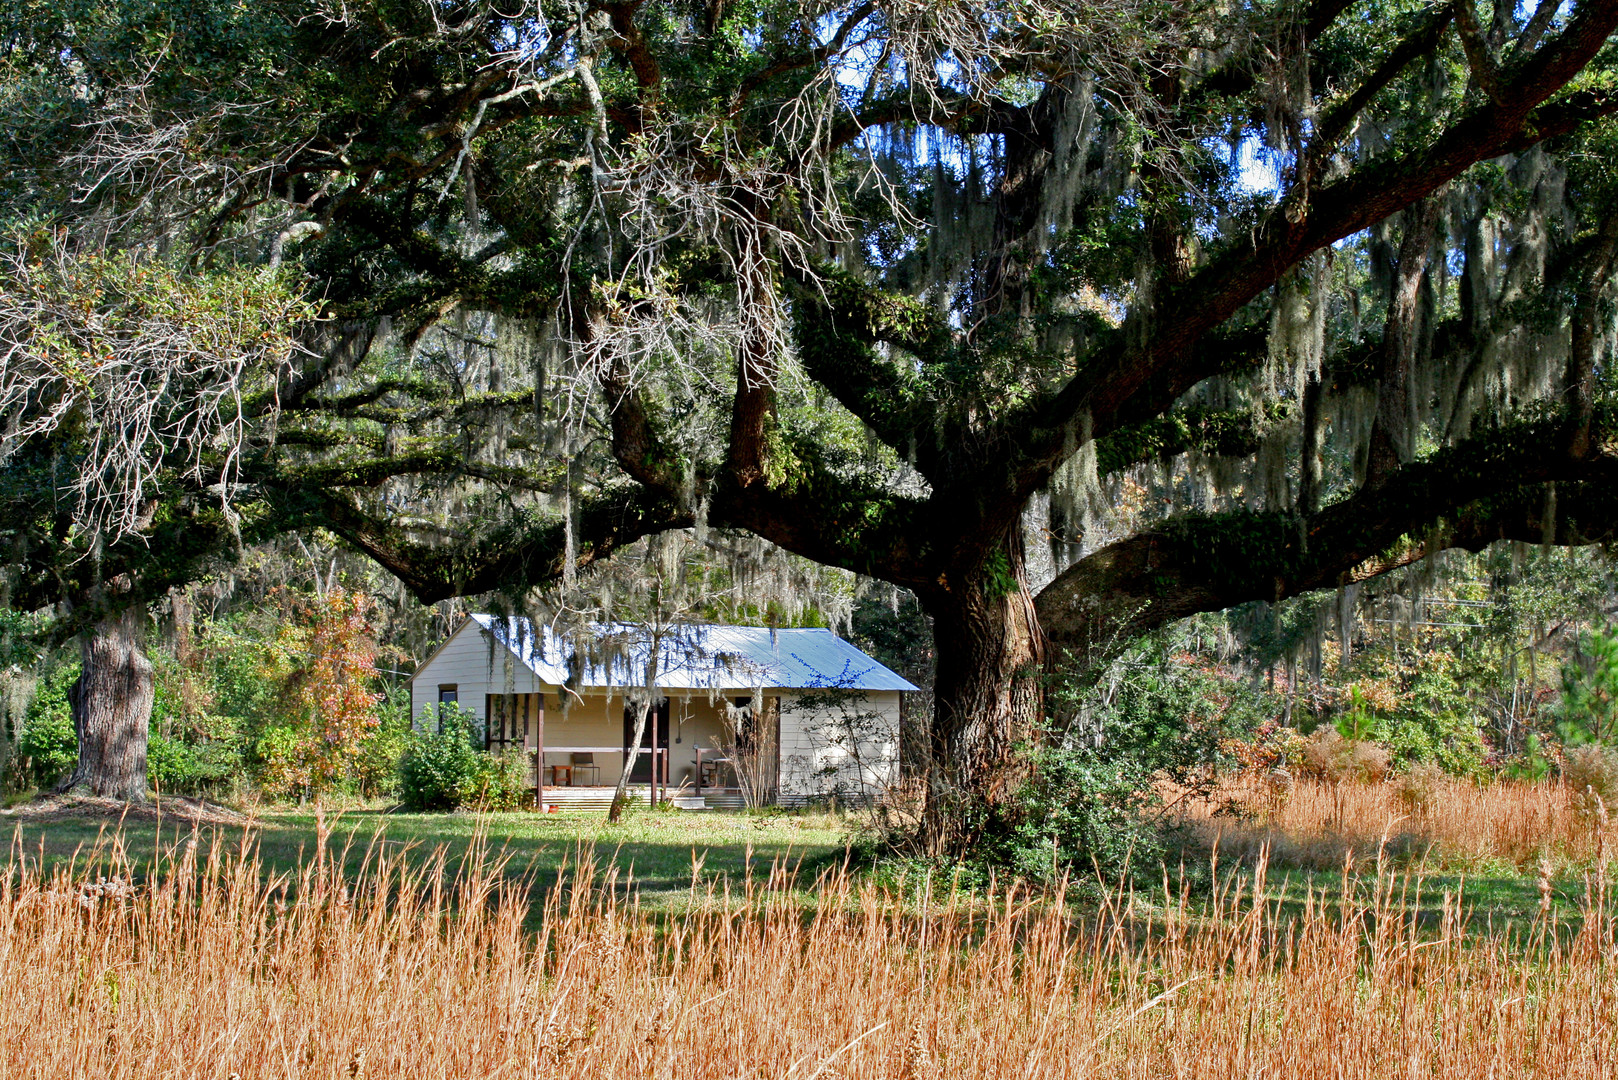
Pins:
x: 285, y: 684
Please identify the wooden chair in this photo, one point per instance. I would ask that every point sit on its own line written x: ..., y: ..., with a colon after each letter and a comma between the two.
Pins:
x: 585, y: 763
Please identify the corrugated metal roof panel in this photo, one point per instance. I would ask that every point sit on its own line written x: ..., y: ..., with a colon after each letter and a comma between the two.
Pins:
x: 698, y: 657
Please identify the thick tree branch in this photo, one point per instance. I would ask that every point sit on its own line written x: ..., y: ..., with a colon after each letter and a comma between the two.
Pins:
x: 512, y: 556
x: 1337, y: 120
x: 1479, y: 55
x: 836, y: 331
x: 1038, y: 437
x: 1488, y: 488
x: 1581, y: 364
x: 1389, y: 445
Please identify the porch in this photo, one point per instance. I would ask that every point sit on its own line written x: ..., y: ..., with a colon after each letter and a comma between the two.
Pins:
x: 569, y: 777
x: 576, y: 756
x: 597, y: 799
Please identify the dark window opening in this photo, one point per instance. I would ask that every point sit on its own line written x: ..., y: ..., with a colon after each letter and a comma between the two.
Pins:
x: 743, y: 713
x: 656, y: 734
x: 513, y: 718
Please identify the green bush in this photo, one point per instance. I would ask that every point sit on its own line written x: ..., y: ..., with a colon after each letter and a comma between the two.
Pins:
x: 376, y: 770
x: 1093, y: 803
x: 171, y: 764
x: 1438, y: 722
x: 190, y: 751
x: 443, y: 769
x: 502, y: 781
x: 283, y: 762
x: 47, y: 743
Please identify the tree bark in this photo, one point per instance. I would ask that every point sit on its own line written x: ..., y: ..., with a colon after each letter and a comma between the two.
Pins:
x: 112, y: 706
x: 987, y: 698
x: 620, y: 795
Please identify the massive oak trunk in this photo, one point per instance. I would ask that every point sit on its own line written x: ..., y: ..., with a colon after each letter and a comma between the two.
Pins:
x: 986, y: 696
x: 112, y: 705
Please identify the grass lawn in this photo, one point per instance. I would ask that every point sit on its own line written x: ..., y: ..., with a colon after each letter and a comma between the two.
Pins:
x: 1492, y: 899
x: 654, y: 852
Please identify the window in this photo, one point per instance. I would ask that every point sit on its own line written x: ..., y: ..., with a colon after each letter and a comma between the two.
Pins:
x: 446, y: 693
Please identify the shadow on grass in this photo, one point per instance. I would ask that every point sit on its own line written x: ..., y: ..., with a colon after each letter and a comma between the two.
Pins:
x: 659, y: 858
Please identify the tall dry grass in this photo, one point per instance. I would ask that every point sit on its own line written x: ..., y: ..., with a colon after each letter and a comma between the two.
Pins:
x: 1450, y: 823
x: 205, y: 968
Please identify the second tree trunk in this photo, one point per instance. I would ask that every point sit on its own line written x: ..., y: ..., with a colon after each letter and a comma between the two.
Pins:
x: 112, y: 707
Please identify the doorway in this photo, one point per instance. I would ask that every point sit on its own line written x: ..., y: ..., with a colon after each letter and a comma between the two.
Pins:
x: 657, y: 734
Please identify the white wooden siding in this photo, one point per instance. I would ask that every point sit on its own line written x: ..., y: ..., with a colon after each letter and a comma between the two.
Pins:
x: 840, y: 744
x: 466, y: 661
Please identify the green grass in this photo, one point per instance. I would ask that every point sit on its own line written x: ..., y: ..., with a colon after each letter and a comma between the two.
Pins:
x: 656, y: 854
x: 1490, y: 900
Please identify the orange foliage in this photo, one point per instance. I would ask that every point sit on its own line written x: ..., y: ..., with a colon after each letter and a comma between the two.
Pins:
x: 333, y: 650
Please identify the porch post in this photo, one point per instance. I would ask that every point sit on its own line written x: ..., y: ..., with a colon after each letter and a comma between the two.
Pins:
x: 539, y: 756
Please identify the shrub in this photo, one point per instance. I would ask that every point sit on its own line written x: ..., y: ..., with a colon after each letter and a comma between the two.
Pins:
x: 1415, y: 714
x: 190, y: 750
x: 443, y: 769
x: 283, y: 763
x: 1327, y: 755
x: 1095, y: 796
x: 332, y: 649
x: 1589, y: 706
x: 1436, y: 721
x: 47, y: 742
x: 501, y: 782
x: 1418, y: 789
x: 171, y: 764
x: 375, y: 769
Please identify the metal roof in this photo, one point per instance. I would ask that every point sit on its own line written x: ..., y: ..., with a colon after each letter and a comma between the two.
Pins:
x: 694, y: 657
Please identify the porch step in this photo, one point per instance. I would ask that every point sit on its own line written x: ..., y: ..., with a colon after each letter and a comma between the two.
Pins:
x: 599, y: 799
x: 582, y: 800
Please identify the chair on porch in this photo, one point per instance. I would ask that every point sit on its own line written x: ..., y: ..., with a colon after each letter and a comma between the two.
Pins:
x: 586, y: 763
x: 713, y: 771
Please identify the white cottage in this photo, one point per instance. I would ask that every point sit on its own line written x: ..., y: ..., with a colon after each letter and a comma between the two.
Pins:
x: 784, y: 716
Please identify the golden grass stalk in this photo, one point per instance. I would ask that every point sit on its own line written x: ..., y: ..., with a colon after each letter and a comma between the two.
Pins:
x: 203, y: 965
x: 1449, y: 822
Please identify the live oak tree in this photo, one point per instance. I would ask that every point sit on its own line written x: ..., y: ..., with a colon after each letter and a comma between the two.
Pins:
x: 161, y: 420
x: 1228, y: 302
x: 122, y: 385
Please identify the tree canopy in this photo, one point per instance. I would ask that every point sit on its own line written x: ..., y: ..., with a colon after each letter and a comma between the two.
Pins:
x: 1072, y: 319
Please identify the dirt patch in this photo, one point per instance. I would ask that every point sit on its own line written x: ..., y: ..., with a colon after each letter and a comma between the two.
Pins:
x: 170, y: 809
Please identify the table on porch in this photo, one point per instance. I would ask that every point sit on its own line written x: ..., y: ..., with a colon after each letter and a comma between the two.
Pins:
x: 711, y: 762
